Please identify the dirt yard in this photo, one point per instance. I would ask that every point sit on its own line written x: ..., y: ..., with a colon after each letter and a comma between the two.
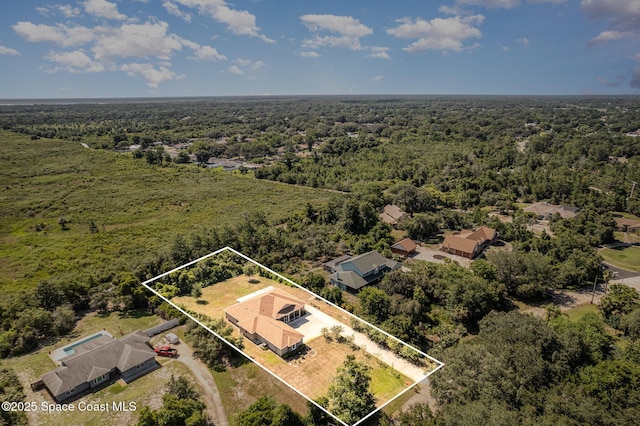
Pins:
x: 312, y: 371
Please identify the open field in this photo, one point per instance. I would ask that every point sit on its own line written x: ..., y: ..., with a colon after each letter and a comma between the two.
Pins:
x: 135, y: 207
x: 623, y: 257
x: 312, y: 372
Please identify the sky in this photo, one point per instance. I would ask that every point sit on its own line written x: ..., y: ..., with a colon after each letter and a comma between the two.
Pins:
x: 146, y: 48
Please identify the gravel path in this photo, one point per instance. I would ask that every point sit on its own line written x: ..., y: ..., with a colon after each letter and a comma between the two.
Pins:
x: 210, y: 394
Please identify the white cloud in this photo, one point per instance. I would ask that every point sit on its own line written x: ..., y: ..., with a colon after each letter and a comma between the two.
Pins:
x: 344, y: 25
x: 349, y: 31
x: 4, y: 50
x: 68, y: 11
x: 609, y: 36
x: 443, y: 34
x: 137, y: 40
x: 239, y: 22
x: 103, y: 9
x: 75, y: 62
x: 376, y: 79
x: 492, y: 4
x: 378, y: 52
x: 503, y: 4
x: 623, y: 14
x: 246, y: 66
x: 173, y: 9
x: 202, y: 53
x: 234, y: 69
x: 308, y: 54
x: 60, y: 34
x: 523, y: 41
x: 153, y: 76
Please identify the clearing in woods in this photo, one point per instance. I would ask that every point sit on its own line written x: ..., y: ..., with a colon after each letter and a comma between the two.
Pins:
x: 310, y: 371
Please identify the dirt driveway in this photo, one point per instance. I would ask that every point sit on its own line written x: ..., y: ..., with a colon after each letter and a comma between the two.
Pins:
x: 210, y: 394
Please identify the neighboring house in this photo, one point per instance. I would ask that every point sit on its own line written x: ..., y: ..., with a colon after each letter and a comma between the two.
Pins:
x: 263, y: 319
x: 404, y: 247
x: 368, y: 268
x: 544, y: 210
x: 393, y: 215
x: 627, y: 225
x: 92, y: 363
x: 467, y: 243
x: 331, y: 265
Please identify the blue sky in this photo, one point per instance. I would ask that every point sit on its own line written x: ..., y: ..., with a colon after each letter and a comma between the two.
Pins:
x: 131, y: 48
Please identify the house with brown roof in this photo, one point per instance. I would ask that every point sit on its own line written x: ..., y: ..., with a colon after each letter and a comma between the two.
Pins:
x: 93, y: 361
x: 263, y: 318
x: 467, y: 243
x: 624, y: 224
x: 393, y: 215
x: 544, y: 210
x: 404, y: 247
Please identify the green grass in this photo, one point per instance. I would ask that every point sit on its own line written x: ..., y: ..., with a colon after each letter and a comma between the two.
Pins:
x: 137, y: 208
x: 387, y: 382
x: 578, y: 312
x: 623, y: 257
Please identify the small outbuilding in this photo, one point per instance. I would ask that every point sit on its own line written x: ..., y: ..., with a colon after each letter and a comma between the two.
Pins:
x: 404, y: 247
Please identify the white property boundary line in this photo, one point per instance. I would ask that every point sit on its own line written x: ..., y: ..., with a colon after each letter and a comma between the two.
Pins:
x: 214, y: 253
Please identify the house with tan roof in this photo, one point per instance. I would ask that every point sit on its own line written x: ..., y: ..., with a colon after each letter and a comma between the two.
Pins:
x: 624, y: 224
x: 263, y: 318
x: 468, y: 243
x: 404, y: 247
x: 544, y: 210
x: 393, y: 215
x: 93, y: 361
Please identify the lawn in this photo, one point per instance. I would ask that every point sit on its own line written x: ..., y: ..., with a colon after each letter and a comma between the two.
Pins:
x: 623, y: 257
x: 578, y: 312
x: 137, y: 208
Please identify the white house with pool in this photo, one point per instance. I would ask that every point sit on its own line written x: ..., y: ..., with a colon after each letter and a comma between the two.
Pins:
x: 94, y: 360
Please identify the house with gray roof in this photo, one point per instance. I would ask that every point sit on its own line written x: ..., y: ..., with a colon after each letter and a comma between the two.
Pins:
x: 93, y: 363
x: 358, y: 271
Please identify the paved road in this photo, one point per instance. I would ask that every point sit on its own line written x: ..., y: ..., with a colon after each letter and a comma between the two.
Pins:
x: 621, y: 273
x: 210, y: 394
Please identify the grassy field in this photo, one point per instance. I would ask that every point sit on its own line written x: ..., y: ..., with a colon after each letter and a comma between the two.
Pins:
x: 623, y: 257
x: 137, y: 208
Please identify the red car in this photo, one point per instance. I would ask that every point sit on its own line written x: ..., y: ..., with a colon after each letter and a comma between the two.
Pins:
x: 166, y: 351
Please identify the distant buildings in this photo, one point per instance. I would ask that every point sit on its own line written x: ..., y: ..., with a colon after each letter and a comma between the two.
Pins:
x: 353, y: 273
x: 544, y: 210
x: 393, y: 215
x: 467, y: 243
x: 263, y: 318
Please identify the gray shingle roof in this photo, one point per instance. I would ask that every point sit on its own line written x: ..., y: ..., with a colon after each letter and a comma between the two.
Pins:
x: 92, y: 361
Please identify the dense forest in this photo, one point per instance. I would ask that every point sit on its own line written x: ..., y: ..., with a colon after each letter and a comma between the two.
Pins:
x: 313, y: 175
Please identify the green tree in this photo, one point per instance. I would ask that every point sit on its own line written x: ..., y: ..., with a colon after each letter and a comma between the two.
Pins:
x: 375, y: 304
x: 349, y: 396
x: 619, y: 300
